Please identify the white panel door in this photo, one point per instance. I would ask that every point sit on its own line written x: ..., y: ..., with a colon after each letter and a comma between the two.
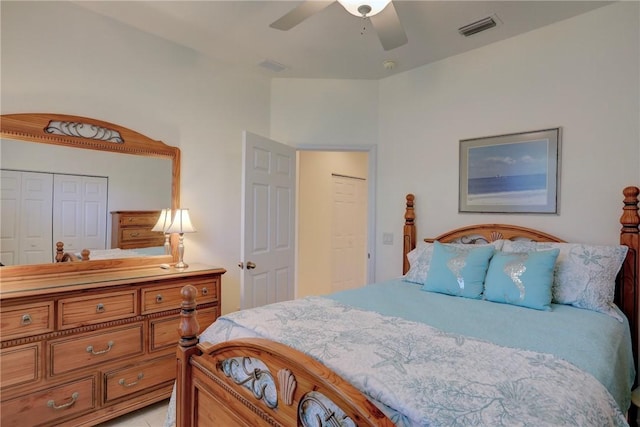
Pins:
x: 348, y: 233
x: 36, y: 221
x: 26, y: 218
x: 80, y: 212
x: 11, y: 189
x: 67, y: 212
x: 94, y: 212
x: 268, y: 233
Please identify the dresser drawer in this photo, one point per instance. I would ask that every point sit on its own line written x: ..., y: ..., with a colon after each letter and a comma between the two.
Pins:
x: 144, y: 376
x: 48, y: 407
x: 164, y: 332
x: 25, y: 320
x: 92, y: 309
x: 138, y: 219
x: 167, y: 297
x: 20, y: 364
x: 96, y: 348
x: 128, y: 235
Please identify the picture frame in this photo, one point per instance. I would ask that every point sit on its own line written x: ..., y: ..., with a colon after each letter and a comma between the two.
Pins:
x: 511, y: 173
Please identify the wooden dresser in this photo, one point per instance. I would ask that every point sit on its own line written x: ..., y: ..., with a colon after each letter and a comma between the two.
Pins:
x: 79, y: 349
x: 132, y: 229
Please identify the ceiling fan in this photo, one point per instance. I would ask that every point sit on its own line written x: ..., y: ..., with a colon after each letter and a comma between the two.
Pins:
x: 381, y: 13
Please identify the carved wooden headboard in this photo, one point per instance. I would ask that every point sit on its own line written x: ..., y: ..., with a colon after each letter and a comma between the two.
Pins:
x: 627, y: 296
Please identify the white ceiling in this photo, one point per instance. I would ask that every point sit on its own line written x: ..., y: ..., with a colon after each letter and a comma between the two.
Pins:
x: 331, y: 43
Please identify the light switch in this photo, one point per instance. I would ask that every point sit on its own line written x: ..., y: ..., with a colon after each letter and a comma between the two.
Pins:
x: 387, y: 238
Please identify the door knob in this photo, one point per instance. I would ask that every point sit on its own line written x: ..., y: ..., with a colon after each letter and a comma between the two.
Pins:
x: 250, y: 265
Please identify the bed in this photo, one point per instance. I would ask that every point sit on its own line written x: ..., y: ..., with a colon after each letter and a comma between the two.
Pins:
x: 490, y: 324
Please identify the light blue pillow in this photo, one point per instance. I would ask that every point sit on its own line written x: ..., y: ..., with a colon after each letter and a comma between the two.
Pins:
x: 458, y: 270
x: 420, y: 258
x: 521, y: 278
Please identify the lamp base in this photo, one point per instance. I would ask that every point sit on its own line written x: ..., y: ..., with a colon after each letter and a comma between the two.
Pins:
x: 167, y: 244
x: 181, y: 264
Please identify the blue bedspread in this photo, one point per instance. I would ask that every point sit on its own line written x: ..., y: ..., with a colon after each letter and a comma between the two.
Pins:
x: 430, y: 359
x: 592, y: 341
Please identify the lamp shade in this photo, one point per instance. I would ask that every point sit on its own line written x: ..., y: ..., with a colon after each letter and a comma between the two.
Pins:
x: 352, y: 6
x: 181, y: 222
x: 164, y: 221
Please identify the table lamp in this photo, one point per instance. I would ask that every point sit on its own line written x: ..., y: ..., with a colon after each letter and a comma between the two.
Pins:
x: 181, y: 224
x: 164, y: 221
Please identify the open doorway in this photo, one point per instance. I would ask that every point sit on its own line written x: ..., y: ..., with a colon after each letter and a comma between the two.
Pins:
x: 335, y: 205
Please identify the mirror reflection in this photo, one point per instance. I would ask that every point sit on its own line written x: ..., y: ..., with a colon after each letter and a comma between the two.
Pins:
x: 53, y: 193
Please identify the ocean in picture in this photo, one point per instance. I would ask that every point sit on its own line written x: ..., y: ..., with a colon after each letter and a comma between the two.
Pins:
x: 506, y: 190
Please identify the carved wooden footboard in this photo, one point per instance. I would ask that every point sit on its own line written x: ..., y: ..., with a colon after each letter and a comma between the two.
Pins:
x: 256, y: 382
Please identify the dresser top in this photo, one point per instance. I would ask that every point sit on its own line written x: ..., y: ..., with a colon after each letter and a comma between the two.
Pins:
x: 17, y: 288
x: 136, y: 212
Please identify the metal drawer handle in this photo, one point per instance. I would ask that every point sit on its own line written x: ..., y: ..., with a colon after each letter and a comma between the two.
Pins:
x: 74, y: 397
x: 205, y: 291
x: 26, y: 319
x: 122, y: 383
x: 100, y: 308
x: 134, y: 234
x: 159, y: 298
x: 108, y: 349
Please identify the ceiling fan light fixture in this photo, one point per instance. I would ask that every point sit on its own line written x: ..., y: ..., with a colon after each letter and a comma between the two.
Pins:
x: 362, y: 8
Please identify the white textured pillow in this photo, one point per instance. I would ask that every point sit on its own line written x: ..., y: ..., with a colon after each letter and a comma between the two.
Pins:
x: 420, y: 260
x: 584, y: 275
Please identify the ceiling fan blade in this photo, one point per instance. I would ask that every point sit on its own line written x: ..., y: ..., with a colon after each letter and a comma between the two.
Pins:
x: 387, y: 25
x: 299, y: 14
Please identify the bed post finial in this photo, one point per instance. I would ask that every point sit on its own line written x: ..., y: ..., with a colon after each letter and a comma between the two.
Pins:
x: 189, y: 326
x: 630, y: 219
x: 59, y: 251
x: 409, y: 237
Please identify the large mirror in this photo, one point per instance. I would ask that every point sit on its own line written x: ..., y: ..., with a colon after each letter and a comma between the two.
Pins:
x: 135, y: 172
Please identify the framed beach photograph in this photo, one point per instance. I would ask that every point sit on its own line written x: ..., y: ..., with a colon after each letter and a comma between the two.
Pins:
x: 514, y: 173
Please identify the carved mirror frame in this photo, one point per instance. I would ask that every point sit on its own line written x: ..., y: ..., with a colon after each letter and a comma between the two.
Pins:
x: 87, y: 133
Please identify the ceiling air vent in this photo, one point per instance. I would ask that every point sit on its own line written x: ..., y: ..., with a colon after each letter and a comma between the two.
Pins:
x: 272, y: 65
x: 476, y: 27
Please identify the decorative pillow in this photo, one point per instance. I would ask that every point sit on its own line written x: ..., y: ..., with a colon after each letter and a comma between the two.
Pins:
x: 458, y: 269
x: 584, y: 275
x: 420, y: 259
x: 521, y: 278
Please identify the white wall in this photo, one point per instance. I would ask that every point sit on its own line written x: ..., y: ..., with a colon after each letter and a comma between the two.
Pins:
x: 581, y: 74
x: 59, y: 57
x: 324, y: 112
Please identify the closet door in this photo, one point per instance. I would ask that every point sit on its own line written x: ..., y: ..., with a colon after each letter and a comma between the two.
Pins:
x: 26, y: 235
x: 80, y: 212
x: 348, y: 233
x: 11, y: 183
